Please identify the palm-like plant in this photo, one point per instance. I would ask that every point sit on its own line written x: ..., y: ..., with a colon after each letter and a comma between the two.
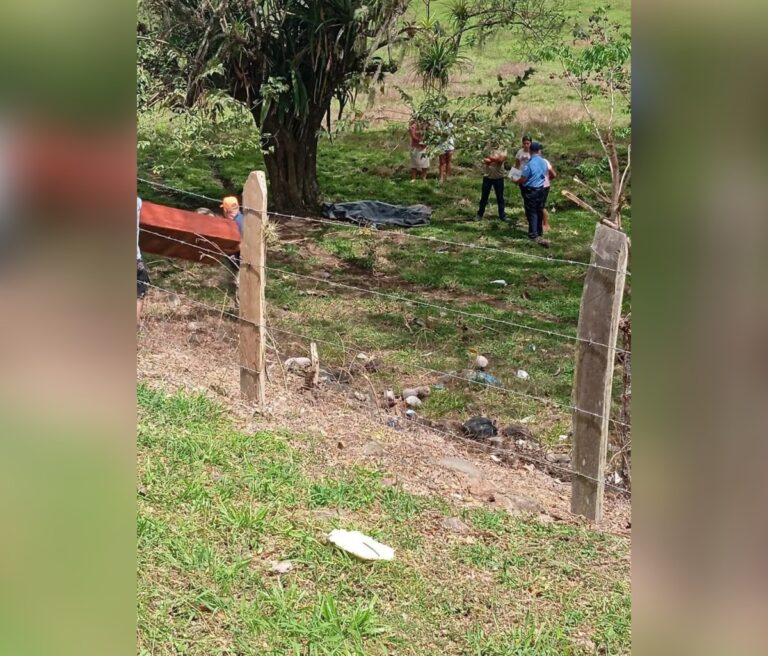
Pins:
x: 436, y: 60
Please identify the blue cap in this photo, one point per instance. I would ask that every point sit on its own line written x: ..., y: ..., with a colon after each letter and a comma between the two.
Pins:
x: 536, y: 147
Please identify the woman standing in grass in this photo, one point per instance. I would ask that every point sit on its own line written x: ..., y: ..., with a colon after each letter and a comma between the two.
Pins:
x: 523, y: 154
x: 522, y: 157
x: 419, y: 160
x: 444, y: 127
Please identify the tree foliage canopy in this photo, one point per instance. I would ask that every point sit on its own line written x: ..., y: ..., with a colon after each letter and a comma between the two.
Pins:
x: 286, y: 61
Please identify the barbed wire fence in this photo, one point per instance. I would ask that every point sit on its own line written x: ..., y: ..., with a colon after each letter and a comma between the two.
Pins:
x: 500, y: 450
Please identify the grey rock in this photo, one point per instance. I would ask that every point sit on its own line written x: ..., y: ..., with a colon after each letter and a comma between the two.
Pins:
x: 516, y: 504
x: 372, y: 449
x: 483, y: 489
x: 462, y: 466
x: 298, y: 363
x: 410, y: 391
x: 413, y: 402
x: 389, y: 399
x: 282, y: 567
x: 455, y: 524
x: 411, y: 414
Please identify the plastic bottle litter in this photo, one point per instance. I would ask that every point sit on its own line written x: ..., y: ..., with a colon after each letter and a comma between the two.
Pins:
x: 485, y: 378
x: 522, y: 375
x: 360, y: 545
x: 500, y: 283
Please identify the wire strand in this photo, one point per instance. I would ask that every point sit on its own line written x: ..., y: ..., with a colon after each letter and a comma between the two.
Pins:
x: 402, y: 299
x: 409, y: 235
x: 437, y: 240
x: 359, y: 348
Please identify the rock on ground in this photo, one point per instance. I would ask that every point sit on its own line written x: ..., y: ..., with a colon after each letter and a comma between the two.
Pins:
x: 462, y: 466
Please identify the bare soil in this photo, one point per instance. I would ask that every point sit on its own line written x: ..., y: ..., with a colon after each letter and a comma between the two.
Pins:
x: 184, y: 346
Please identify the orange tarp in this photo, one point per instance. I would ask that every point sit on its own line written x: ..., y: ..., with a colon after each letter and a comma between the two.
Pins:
x: 171, y: 226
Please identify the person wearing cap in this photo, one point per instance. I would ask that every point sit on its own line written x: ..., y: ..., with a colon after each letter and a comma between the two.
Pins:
x: 532, y: 182
x: 231, y: 209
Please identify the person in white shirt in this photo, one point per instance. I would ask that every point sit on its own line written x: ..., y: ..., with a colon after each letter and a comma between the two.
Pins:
x: 523, y: 154
x: 447, y: 146
x: 522, y: 157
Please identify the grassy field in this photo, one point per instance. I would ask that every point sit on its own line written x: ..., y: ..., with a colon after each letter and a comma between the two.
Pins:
x: 539, y: 296
x: 545, y: 101
x: 217, y: 507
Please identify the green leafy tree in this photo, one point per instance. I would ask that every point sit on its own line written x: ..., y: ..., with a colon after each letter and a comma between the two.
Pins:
x: 286, y: 61
x: 596, y: 64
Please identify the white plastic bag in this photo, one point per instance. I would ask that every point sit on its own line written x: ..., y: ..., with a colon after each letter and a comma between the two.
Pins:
x: 360, y: 545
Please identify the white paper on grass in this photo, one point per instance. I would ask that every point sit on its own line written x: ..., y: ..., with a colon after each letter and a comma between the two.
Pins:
x: 360, y: 545
x: 514, y: 174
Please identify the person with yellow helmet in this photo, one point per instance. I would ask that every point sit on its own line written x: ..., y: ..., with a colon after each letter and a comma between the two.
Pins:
x: 231, y: 208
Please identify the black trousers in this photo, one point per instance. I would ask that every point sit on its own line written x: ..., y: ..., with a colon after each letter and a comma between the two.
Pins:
x: 498, y: 187
x: 534, y: 199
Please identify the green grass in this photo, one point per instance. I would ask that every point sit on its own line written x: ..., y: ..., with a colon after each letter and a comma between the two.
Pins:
x: 217, y: 505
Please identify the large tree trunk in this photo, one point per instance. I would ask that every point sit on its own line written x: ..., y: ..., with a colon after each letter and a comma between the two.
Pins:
x: 292, y: 168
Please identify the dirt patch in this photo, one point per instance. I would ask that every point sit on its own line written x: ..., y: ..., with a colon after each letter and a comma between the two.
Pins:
x: 185, y: 346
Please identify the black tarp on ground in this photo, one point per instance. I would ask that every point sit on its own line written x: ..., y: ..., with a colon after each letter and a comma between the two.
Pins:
x: 376, y: 214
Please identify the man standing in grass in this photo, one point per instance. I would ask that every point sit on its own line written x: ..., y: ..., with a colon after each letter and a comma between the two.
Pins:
x: 419, y: 159
x: 532, y: 180
x: 493, y: 178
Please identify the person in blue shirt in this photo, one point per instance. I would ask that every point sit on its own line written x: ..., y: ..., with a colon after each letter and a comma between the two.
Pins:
x: 532, y: 182
x: 230, y: 207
